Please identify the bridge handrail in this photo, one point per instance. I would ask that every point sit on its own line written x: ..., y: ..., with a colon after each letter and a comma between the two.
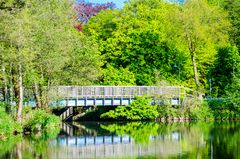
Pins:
x: 57, y: 92
x: 117, y: 91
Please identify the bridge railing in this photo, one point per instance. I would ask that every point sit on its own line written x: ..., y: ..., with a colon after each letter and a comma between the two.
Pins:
x: 116, y: 91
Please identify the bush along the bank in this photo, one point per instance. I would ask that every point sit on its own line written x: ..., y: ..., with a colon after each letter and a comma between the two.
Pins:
x: 200, y: 111
x: 7, y: 125
x: 40, y: 120
x: 224, y: 109
x: 139, y: 109
x: 221, y: 109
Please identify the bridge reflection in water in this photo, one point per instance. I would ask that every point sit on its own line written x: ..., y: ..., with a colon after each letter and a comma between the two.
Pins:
x: 92, y: 140
x: 113, y: 146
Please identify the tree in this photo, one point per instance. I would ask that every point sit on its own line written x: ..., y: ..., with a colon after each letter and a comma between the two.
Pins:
x: 233, y: 9
x: 135, y: 39
x: 40, y: 45
x: 86, y: 10
x: 202, y: 28
x: 225, y: 70
x: 13, y: 40
x: 118, y: 77
x: 11, y: 4
x: 61, y: 54
x: 151, y: 37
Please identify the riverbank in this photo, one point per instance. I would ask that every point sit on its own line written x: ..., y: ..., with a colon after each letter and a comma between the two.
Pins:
x: 34, y: 121
x: 8, y: 126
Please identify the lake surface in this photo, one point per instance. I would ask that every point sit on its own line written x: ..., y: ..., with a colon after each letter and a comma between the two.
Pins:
x: 140, y: 140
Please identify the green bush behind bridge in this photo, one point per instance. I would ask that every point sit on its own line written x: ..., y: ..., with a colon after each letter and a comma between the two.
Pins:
x: 139, y: 109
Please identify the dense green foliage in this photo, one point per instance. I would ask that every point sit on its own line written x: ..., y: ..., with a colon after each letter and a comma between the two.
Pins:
x: 195, y: 111
x: 34, y: 120
x: 129, y: 42
x: 7, y: 125
x: 40, y: 120
x: 40, y: 48
x: 139, y: 109
x: 119, y: 77
x: 233, y: 9
x: 159, y: 41
x: 232, y: 95
x: 225, y: 68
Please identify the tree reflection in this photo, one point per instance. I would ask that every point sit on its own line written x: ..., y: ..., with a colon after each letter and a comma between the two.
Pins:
x: 197, y: 140
x: 139, y: 131
x: 160, y: 140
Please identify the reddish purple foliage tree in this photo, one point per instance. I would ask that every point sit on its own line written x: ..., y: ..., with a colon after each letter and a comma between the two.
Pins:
x: 85, y: 10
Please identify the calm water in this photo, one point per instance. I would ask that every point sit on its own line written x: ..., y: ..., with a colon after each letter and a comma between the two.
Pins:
x: 148, y: 140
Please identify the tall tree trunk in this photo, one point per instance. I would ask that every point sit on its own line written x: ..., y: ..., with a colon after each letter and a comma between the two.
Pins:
x: 192, y: 48
x: 41, y: 94
x: 11, y: 89
x: 195, y: 70
x: 18, y: 90
x: 20, y: 103
x: 5, y: 90
x: 11, y: 96
x: 37, y: 95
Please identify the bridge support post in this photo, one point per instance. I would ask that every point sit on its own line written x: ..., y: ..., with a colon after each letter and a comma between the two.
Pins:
x: 121, y: 100
x: 94, y: 101
x: 85, y: 101
x: 76, y: 102
x: 67, y: 114
x: 112, y: 102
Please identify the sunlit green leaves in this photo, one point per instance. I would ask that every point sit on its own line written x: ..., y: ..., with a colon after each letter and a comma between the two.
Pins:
x: 139, y: 109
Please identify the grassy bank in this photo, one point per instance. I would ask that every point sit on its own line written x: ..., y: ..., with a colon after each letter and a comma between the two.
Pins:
x: 40, y: 120
x: 33, y: 121
x: 8, y: 126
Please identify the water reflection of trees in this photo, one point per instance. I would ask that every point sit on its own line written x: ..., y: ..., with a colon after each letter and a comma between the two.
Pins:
x: 198, y: 140
x: 34, y: 146
x: 7, y: 146
x: 139, y: 131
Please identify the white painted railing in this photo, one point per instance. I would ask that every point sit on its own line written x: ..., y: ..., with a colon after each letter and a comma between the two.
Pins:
x: 116, y: 91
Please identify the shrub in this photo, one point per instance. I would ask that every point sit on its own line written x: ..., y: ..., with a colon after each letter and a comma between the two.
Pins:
x: 40, y: 120
x: 200, y: 112
x: 139, y: 109
x: 7, y: 125
x: 194, y: 112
